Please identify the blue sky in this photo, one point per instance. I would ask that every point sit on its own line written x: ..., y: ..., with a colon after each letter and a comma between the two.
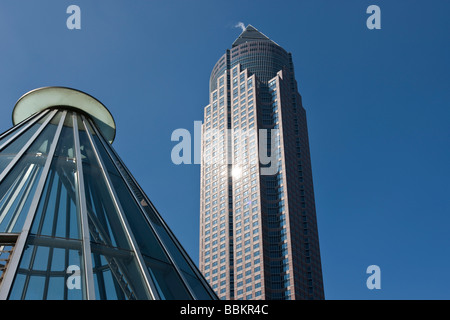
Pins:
x: 377, y: 102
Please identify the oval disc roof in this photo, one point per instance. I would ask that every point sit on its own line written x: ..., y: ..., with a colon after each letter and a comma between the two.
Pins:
x: 48, y: 97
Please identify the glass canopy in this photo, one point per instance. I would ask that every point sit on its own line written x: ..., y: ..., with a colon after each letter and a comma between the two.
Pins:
x: 74, y: 223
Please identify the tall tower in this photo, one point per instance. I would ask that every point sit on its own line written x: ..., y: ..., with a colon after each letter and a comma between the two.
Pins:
x: 74, y: 223
x: 258, y: 228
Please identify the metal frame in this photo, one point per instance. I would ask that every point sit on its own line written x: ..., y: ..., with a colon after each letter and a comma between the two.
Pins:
x: 151, y: 288
x: 33, y: 119
x: 45, y: 200
x: 110, y: 150
x: 6, y: 240
x: 86, y: 241
x: 158, y: 238
x: 21, y: 240
x: 19, y: 208
x: 15, y: 191
x: 26, y: 146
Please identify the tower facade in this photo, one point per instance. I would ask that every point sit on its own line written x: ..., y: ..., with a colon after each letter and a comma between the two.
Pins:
x: 74, y: 223
x: 258, y: 228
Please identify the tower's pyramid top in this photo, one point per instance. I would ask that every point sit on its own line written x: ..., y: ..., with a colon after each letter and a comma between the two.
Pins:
x: 250, y: 34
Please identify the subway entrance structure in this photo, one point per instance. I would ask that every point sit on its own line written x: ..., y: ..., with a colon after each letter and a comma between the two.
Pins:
x: 74, y: 223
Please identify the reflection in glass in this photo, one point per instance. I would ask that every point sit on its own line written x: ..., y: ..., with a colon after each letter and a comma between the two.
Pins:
x: 112, y: 251
x: 44, y: 271
x: 17, y: 189
x: 53, y: 231
x: 155, y: 258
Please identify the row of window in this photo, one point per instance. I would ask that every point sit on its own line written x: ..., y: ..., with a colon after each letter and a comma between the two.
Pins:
x: 245, y: 202
x: 214, y: 275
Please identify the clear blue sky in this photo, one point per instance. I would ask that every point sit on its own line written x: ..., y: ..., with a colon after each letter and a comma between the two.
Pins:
x: 377, y: 102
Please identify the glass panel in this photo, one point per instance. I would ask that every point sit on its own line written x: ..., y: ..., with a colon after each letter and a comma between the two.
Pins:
x: 18, y: 187
x: 196, y: 286
x: 7, y: 154
x: 154, y: 256
x: 56, y: 288
x: 166, y: 280
x: 49, y: 269
x: 7, y: 136
x: 115, y: 274
x: 4, y: 137
x: 57, y: 212
x: 113, y: 256
x: 191, y: 277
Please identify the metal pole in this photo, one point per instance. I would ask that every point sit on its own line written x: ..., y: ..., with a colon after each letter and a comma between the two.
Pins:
x: 87, y: 256
x: 151, y: 288
x: 25, y: 147
x: 18, y: 133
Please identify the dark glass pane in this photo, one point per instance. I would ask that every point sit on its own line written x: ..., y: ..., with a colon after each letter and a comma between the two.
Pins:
x: 6, y: 137
x: 147, y: 242
x: 110, y: 244
x: 115, y: 274
x: 123, y: 193
x: 146, y: 239
x: 56, y: 288
x: 201, y: 293
x: 166, y: 280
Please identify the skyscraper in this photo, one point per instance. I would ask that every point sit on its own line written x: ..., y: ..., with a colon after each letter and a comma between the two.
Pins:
x: 74, y: 223
x: 258, y: 228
